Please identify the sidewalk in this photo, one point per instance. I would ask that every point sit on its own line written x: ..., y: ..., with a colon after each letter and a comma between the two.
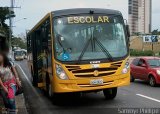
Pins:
x: 20, y: 103
x: 1, y: 102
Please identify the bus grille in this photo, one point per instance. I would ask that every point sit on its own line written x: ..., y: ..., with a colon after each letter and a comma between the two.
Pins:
x: 106, y: 71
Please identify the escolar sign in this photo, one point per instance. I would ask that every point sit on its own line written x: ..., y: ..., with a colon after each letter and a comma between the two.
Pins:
x: 88, y: 19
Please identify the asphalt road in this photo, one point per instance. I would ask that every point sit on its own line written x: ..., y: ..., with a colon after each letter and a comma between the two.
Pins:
x: 138, y: 95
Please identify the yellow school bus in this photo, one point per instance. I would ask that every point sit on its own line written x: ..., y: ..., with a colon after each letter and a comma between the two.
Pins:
x: 80, y: 50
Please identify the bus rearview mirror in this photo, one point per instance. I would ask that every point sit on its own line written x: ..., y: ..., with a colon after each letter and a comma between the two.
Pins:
x: 62, y: 38
x: 128, y: 31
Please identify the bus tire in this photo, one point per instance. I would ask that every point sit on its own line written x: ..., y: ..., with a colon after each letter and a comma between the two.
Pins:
x: 32, y: 77
x: 110, y: 93
x: 49, y: 91
x: 48, y: 84
x: 50, y: 94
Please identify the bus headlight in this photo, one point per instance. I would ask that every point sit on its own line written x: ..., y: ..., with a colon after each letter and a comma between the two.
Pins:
x: 60, y: 72
x: 158, y: 72
x: 126, y: 68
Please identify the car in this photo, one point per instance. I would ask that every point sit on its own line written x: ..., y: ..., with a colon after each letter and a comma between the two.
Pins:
x: 147, y: 69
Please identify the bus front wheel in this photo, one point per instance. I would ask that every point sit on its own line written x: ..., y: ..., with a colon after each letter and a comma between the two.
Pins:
x: 110, y: 93
x: 32, y: 78
x: 48, y: 87
x: 49, y: 91
x: 51, y: 95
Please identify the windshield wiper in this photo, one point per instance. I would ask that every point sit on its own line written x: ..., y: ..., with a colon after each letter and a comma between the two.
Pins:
x: 84, y: 49
x: 60, y: 43
x: 106, y: 52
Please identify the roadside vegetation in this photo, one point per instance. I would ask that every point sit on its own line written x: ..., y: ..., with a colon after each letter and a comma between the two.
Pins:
x: 141, y: 53
x: 5, y: 14
x: 18, y: 41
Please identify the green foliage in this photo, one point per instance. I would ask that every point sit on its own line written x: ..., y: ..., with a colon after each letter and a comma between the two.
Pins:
x: 136, y: 33
x: 155, y: 32
x: 141, y: 53
x: 19, y: 42
x: 5, y: 14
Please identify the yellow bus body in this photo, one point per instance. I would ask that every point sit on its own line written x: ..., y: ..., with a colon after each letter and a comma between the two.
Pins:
x: 80, y: 82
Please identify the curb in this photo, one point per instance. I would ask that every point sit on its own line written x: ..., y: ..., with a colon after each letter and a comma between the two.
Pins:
x: 20, y: 100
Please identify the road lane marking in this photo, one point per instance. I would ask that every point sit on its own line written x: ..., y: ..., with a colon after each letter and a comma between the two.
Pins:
x: 23, y: 73
x: 29, y: 82
x: 40, y: 99
x: 150, y: 98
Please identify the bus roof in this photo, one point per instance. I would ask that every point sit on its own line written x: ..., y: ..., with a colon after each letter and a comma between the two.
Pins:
x: 84, y: 11
x: 37, y: 25
x: 75, y: 11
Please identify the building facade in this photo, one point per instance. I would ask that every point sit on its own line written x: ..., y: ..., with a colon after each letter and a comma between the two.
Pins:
x: 140, y: 16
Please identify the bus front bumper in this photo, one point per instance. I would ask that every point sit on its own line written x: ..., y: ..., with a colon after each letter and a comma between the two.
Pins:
x: 83, y: 85
x: 18, y: 58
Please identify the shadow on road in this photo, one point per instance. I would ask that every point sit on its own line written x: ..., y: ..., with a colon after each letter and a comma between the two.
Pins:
x: 84, y: 100
x: 141, y: 82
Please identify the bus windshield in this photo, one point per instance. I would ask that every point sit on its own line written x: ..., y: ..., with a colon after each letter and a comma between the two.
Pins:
x: 92, y: 37
x: 18, y: 53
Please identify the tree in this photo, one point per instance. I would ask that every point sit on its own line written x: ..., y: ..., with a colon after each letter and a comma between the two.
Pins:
x: 5, y: 14
x: 155, y: 32
x: 19, y: 42
x: 136, y: 33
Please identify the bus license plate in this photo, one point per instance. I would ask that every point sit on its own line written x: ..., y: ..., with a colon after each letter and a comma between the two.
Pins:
x: 96, y: 82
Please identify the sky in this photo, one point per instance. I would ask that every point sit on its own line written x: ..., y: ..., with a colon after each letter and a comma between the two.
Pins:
x: 34, y: 10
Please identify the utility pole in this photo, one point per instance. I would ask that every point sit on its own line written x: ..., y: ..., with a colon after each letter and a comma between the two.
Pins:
x: 11, y: 9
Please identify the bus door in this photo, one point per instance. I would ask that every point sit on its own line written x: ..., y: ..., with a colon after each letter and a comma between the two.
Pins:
x: 37, y: 60
x: 42, y: 53
x: 47, y: 52
x: 34, y: 55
